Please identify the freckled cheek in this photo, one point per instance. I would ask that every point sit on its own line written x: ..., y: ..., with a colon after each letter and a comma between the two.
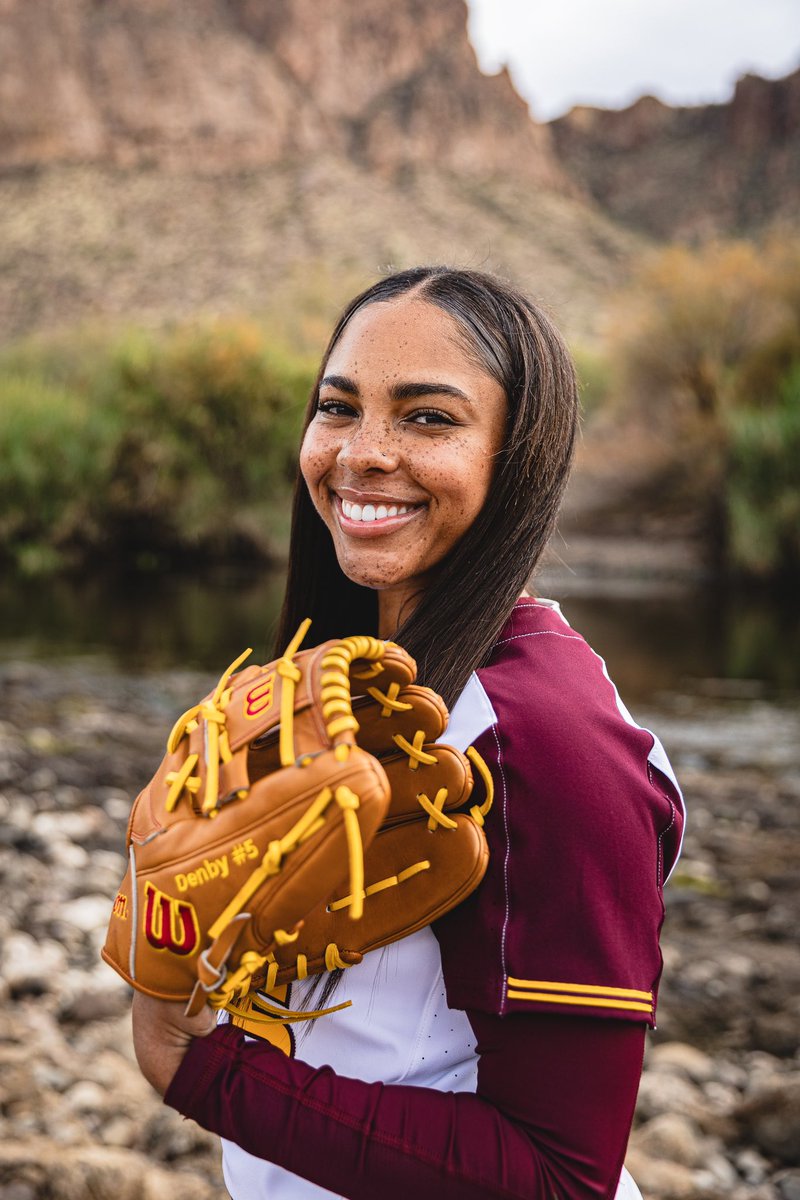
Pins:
x: 315, y: 461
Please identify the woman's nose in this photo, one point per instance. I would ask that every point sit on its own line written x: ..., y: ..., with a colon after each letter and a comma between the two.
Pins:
x: 369, y: 447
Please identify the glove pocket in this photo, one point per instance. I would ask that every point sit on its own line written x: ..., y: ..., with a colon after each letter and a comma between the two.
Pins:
x: 324, y: 850
x: 412, y: 877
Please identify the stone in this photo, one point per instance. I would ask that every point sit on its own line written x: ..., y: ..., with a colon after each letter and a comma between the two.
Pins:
x: 86, y: 1096
x: 673, y: 1137
x: 752, y: 1165
x: 771, y: 1117
x: 29, y: 965
x: 682, y: 1059
x: 93, y: 996
x: 787, y: 1184
x: 778, y: 1033
x: 87, y: 913
x: 68, y: 855
x: 662, y: 1093
x: 76, y: 1172
x: 119, y: 1131
x: 657, y: 1178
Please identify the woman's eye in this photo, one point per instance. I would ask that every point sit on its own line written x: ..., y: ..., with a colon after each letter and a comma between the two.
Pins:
x: 430, y: 416
x: 335, y: 408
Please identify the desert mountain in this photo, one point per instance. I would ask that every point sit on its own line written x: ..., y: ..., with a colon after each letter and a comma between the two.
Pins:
x: 162, y: 157
x: 226, y: 84
x: 692, y: 172
x: 166, y: 157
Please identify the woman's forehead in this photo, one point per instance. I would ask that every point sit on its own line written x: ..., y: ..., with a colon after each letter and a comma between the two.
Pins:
x: 403, y: 334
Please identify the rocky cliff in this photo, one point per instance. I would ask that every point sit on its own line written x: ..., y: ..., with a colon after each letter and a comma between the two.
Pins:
x: 166, y: 157
x: 225, y: 84
x: 692, y: 172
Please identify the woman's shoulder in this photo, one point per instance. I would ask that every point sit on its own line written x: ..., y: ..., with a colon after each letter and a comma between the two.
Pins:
x: 544, y: 681
x: 586, y: 824
x: 560, y: 729
x: 537, y: 645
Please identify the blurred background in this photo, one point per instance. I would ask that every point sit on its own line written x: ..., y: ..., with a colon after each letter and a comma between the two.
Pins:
x: 189, y: 192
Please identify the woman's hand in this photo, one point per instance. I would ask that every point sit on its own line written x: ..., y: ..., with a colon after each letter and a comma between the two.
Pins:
x: 161, y: 1036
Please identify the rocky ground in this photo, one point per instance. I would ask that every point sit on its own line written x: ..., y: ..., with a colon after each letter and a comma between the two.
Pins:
x: 719, y: 1107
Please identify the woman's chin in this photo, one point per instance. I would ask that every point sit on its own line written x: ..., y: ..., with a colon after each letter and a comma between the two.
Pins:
x: 380, y: 577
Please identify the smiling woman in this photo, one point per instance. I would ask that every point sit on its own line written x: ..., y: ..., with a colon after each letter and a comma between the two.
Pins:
x: 400, y: 453
x: 497, y: 1051
x: 451, y: 393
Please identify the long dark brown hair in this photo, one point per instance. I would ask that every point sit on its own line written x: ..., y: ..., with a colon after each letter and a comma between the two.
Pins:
x: 452, y: 629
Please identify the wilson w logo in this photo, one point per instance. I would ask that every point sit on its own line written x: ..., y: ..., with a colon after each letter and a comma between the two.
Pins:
x: 259, y: 698
x: 169, y: 924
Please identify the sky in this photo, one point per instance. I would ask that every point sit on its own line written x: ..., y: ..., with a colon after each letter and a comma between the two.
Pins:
x: 607, y: 53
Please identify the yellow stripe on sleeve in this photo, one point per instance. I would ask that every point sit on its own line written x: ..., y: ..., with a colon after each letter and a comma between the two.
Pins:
x: 587, y: 988
x: 589, y: 1001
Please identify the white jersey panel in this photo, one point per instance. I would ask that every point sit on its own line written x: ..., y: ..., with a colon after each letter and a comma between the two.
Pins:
x: 398, y: 1030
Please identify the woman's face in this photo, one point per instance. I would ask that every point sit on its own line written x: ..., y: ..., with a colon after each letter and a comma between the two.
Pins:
x: 400, y: 454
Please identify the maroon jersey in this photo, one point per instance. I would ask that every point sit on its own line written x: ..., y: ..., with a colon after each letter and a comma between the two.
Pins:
x: 482, y: 1069
x: 589, y: 826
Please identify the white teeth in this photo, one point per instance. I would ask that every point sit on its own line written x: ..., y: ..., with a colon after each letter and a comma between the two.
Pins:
x: 372, y: 512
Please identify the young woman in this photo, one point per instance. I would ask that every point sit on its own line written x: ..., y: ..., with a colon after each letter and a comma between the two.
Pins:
x: 498, y: 1053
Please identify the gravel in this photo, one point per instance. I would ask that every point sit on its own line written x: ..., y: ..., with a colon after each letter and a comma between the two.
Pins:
x: 719, y: 1105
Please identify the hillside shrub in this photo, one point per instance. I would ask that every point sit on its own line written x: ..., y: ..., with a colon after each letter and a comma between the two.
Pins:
x: 707, y: 345
x: 150, y: 445
x: 595, y: 377
x: 53, y: 459
x: 762, y: 496
x: 689, y: 320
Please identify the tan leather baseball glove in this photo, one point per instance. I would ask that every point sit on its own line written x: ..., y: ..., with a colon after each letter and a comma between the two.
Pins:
x: 253, y: 855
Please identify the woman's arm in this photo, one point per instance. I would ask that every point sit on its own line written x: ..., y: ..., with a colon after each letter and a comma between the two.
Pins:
x: 551, y: 1115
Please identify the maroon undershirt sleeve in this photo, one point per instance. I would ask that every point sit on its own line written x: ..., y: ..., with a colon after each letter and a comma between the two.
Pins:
x: 550, y: 1118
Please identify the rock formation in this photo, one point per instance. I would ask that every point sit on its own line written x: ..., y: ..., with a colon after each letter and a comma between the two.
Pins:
x: 161, y: 158
x: 692, y: 172
x: 225, y: 84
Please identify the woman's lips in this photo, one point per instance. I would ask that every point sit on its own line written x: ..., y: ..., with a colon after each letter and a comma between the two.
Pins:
x: 374, y: 526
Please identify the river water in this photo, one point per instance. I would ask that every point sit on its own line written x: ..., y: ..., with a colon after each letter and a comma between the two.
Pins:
x: 656, y: 637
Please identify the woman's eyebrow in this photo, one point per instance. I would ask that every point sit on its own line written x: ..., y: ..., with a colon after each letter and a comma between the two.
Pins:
x: 341, y: 383
x: 410, y: 391
x: 399, y: 391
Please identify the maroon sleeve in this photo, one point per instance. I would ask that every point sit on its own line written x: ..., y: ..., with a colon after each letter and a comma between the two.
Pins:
x: 583, y: 830
x: 551, y: 1115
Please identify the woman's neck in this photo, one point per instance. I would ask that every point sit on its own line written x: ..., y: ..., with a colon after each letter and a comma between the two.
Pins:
x: 395, y: 605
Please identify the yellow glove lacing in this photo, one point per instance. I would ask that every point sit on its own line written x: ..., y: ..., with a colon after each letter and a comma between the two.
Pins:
x: 341, y: 724
x: 217, y: 745
x: 333, y: 958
